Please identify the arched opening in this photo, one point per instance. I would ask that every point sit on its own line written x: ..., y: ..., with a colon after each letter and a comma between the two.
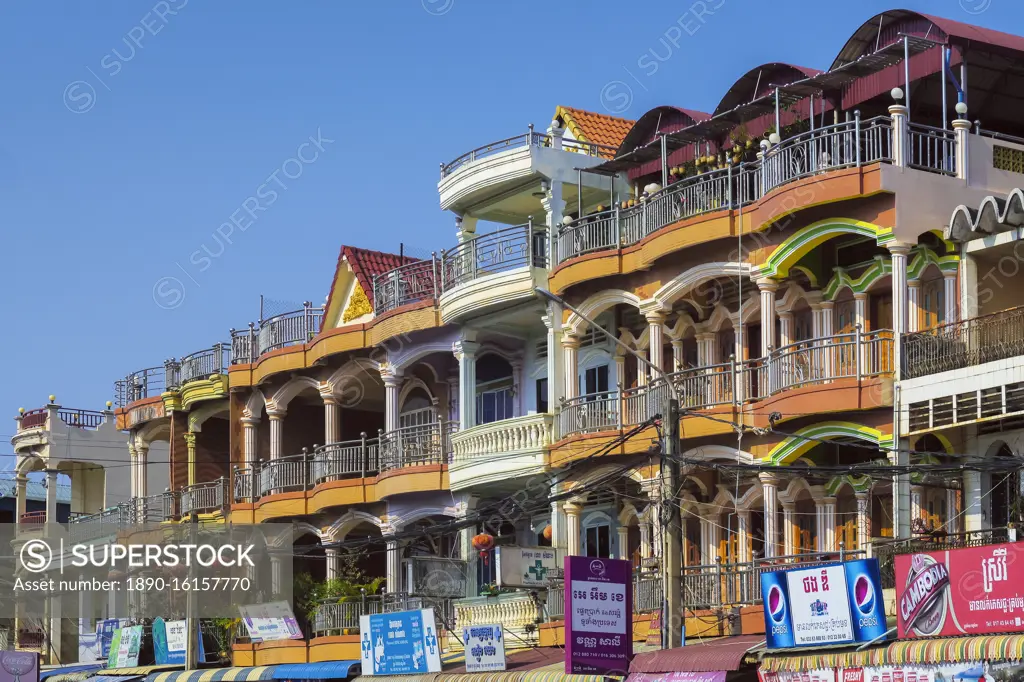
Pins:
x: 417, y: 409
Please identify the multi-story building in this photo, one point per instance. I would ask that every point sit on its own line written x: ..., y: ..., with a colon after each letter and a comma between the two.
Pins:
x: 788, y: 262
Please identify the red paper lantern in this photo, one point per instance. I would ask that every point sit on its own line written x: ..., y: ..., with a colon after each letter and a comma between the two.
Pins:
x: 547, y: 532
x: 483, y: 543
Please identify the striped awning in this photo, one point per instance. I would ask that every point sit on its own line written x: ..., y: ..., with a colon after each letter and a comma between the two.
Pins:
x: 929, y: 651
x: 139, y: 670
x: 115, y: 678
x: 325, y: 670
x: 59, y: 672
x: 251, y: 674
x: 79, y: 676
x: 554, y: 672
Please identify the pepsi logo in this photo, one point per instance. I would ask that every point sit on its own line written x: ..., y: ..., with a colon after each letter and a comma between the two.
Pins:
x: 776, y: 604
x: 864, y: 595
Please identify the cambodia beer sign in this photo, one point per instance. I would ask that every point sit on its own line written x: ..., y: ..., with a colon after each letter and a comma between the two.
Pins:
x: 598, y: 615
x: 969, y: 591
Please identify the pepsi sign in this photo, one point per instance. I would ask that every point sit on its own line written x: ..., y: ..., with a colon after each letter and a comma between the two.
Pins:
x: 834, y: 603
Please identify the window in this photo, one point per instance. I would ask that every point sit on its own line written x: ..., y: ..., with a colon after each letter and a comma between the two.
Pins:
x: 598, y: 541
x: 595, y: 380
x: 542, y: 395
x: 494, y: 405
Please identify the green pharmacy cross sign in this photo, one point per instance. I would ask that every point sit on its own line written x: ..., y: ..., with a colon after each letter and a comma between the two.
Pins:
x: 537, y: 570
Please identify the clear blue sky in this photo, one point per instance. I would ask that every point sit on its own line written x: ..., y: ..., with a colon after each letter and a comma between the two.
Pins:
x: 121, y: 151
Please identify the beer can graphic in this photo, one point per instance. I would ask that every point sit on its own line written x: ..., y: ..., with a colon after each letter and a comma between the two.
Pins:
x: 897, y: 675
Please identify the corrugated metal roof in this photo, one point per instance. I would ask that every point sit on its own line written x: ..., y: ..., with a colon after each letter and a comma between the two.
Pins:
x: 707, y: 656
x: 35, y: 490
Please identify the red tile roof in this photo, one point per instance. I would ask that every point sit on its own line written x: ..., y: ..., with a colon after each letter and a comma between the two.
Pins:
x: 588, y: 126
x: 366, y: 263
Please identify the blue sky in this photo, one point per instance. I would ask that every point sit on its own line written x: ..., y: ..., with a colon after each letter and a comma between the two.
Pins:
x: 133, y: 131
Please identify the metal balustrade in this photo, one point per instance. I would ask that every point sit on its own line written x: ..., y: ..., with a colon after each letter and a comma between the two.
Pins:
x: 336, y: 461
x: 284, y: 474
x: 529, y: 139
x: 406, y: 284
x: 199, y: 365
x: 145, y: 383
x: 854, y: 355
x: 417, y: 445
x: 967, y: 343
x: 203, y: 497
x: 500, y: 251
x: 33, y: 419
x: 647, y: 593
x: 338, y: 617
x: 931, y: 149
x: 244, y: 484
x: 287, y: 329
x: 153, y: 508
x: 844, y: 145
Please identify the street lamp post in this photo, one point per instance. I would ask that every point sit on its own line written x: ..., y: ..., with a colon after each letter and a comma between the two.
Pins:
x: 671, y: 568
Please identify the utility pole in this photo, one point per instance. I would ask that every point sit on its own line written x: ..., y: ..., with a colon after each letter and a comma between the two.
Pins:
x: 672, y: 616
x: 191, y: 622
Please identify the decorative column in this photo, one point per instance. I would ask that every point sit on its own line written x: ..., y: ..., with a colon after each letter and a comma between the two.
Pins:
x: 785, y: 328
x: 788, y: 531
x: 519, y: 387
x: 465, y: 352
x: 677, y: 355
x: 332, y: 419
x: 900, y: 141
x: 275, y: 575
x: 972, y: 501
x: 768, y: 287
x: 863, y: 521
x: 276, y: 432
x: 620, y: 370
x: 570, y: 354
x: 655, y: 337
x: 250, y: 428
x: 916, y: 506
x: 706, y: 350
x: 21, y: 481
x: 466, y: 551
x: 392, y: 379
x: 572, y: 517
x: 645, y: 540
x: 142, y: 453
x: 133, y: 469
x: 554, y: 209
x: 190, y: 443
x: 642, y: 371
x: 453, y: 396
x: 860, y: 320
x: 652, y: 487
x: 51, y: 496
x: 899, y: 298
x: 913, y: 305
x: 624, y: 542
x: 555, y: 360
x: 950, y: 296
x: 393, y: 567
x: 739, y: 390
x: 709, y: 539
x: 558, y: 521
x: 743, y: 536
x: 952, y: 511
x: 961, y: 131
x: 333, y: 562
x: 826, y: 512
x: 770, y: 497
x: 901, y: 489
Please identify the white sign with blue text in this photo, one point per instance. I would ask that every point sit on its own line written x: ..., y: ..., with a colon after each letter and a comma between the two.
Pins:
x: 485, y: 648
x: 399, y: 643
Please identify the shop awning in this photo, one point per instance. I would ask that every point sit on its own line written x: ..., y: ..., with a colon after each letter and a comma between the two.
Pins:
x: 251, y: 674
x: 713, y: 655
x: 715, y: 676
x: 115, y: 678
x: 328, y: 670
x: 958, y: 649
x: 540, y: 664
x: 79, y: 676
x: 52, y: 673
x: 138, y: 671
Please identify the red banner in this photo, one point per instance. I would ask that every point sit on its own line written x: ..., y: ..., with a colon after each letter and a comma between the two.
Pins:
x: 970, y: 591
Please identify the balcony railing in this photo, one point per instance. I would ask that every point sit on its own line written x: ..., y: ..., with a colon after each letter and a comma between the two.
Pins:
x: 647, y: 593
x: 486, y: 441
x: 418, y: 445
x: 287, y: 329
x: 36, y: 518
x: 34, y: 419
x: 931, y: 149
x: 967, y: 343
x: 203, y: 497
x: 199, y: 365
x: 145, y: 383
x: 285, y: 474
x: 815, y: 361
x: 409, y: 283
x: 335, y: 618
x: 354, y: 458
x: 500, y: 251
x: 155, y: 508
x: 843, y: 145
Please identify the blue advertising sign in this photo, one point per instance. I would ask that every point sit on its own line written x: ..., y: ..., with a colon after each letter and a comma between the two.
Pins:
x: 399, y: 643
x: 105, y: 631
x: 778, y: 625
x: 864, y: 584
x: 170, y: 639
x: 825, y: 604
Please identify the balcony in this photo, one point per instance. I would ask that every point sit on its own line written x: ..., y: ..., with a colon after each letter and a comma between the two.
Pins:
x: 407, y: 284
x: 287, y: 329
x: 203, y: 497
x: 80, y: 419
x: 342, y: 617
x: 144, y: 383
x: 420, y: 445
x: 846, y: 145
x: 966, y: 372
x: 518, y: 612
x: 491, y: 270
x: 500, y: 451
x: 806, y: 363
x: 495, y: 182
x: 197, y: 366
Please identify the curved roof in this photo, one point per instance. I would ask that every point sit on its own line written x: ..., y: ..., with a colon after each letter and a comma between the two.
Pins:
x: 992, y: 216
x: 884, y: 29
x: 663, y: 119
x: 759, y: 81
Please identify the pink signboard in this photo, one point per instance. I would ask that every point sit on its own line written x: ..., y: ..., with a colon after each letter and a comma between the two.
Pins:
x: 598, y: 615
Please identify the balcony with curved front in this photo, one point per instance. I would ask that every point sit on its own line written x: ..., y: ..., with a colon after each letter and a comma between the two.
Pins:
x: 499, y: 453
x: 198, y: 376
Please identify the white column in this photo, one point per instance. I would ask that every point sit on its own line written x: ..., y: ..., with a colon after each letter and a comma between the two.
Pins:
x: 624, y: 542
x: 570, y: 351
x: 392, y: 379
x: 393, y: 567
x: 555, y: 359
x: 333, y: 562
x: 466, y: 551
x: 860, y: 310
x: 826, y: 508
x: 913, y: 305
x: 465, y: 352
x: 743, y: 533
x: 655, y: 337
x: 554, y: 208
x: 899, y: 297
x: 739, y: 389
x: 142, y: 450
x: 961, y: 131
x: 653, y: 489
x: 863, y: 521
x: 133, y: 470
x: 901, y: 489
x: 785, y: 328
x: 968, y: 298
x: 572, y: 518
x: 276, y: 432
x: 709, y: 538
x: 645, y: 540
x: 788, y: 531
x: 916, y: 505
x: 332, y: 419
x: 558, y: 521
x: 768, y: 287
x: 250, y: 427
x: 770, y: 497
x: 21, y: 481
x: 900, y: 152
x: 677, y: 355
x: 706, y: 350
x: 275, y: 575
x: 642, y: 372
x: 519, y: 385
x: 952, y: 512
x: 620, y: 370
x: 950, y: 296
x: 972, y: 501
x: 51, y: 496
